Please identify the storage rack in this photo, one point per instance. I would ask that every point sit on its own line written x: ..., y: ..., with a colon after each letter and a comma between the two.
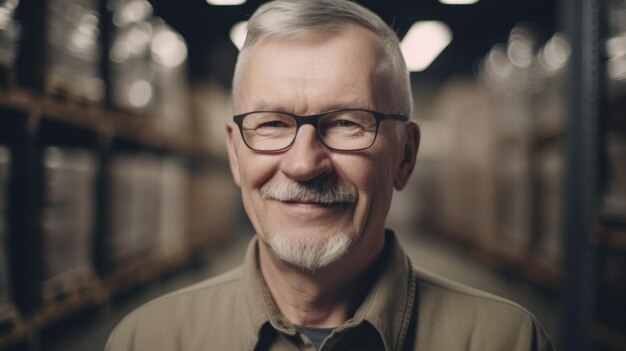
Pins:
x: 588, y: 268
x: 607, y: 238
x: 34, y: 116
x: 495, y: 182
x: 25, y: 127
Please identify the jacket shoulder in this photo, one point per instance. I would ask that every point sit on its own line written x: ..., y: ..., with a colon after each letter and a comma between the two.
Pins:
x: 169, y: 322
x: 458, y: 317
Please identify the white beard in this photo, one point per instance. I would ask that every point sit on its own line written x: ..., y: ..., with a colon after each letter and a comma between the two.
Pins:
x: 309, y: 255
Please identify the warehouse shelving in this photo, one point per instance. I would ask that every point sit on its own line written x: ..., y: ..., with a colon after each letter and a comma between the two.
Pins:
x: 36, y: 116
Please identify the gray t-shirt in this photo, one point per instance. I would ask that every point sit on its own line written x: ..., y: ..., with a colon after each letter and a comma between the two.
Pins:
x: 316, y: 335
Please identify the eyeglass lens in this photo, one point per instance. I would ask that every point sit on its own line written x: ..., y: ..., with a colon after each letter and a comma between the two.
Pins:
x: 341, y: 130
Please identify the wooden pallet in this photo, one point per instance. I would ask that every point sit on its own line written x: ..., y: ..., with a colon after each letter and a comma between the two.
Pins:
x: 136, y: 272
x: 8, y: 77
x: 13, y: 329
x: 538, y: 270
x: 69, y: 91
x: 607, y: 336
x: 64, y: 294
x: 174, y: 261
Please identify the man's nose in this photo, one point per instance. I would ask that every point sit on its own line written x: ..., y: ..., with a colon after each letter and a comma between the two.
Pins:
x: 307, y: 158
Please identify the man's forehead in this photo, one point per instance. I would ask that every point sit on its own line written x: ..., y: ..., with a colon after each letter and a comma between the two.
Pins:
x: 314, y: 73
x: 302, y: 89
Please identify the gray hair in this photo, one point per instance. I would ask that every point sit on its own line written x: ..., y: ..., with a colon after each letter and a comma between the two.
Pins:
x: 299, y: 18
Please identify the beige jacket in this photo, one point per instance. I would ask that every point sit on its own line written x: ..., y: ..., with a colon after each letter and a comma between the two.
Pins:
x: 406, y: 309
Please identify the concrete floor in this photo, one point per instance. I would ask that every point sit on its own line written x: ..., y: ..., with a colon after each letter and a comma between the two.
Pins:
x: 426, y: 251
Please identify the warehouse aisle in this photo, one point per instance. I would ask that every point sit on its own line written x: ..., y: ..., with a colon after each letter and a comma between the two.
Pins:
x: 426, y: 251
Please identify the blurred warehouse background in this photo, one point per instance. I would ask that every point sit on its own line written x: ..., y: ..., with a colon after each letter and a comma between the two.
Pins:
x: 115, y: 188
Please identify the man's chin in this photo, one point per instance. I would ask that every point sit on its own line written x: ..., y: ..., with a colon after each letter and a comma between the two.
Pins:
x: 306, y: 254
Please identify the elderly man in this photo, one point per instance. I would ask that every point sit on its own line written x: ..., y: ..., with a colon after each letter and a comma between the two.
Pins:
x: 320, y: 139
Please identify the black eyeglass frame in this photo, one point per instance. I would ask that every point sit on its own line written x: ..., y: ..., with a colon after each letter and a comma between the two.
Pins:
x: 314, y: 120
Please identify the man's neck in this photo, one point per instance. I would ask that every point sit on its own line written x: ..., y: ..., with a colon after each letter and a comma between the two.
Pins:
x: 323, y: 299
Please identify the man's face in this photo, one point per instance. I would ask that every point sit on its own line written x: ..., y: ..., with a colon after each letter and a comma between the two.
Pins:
x: 309, y: 76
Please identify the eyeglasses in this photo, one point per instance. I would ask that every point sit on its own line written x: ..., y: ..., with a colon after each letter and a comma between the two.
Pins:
x: 342, y: 130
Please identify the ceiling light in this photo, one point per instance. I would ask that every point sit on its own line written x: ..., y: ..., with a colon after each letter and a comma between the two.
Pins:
x: 554, y: 55
x: 139, y: 93
x: 168, y: 48
x: 225, y: 2
x: 458, y: 2
x: 616, y: 67
x: 131, y: 12
x: 238, y: 34
x: 616, y: 46
x: 423, y: 43
x: 521, y: 47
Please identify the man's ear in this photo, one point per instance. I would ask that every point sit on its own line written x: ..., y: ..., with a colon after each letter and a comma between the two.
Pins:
x: 231, y: 130
x: 410, y: 145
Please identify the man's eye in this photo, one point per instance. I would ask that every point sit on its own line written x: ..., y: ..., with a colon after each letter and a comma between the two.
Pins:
x: 344, y: 124
x: 273, y: 124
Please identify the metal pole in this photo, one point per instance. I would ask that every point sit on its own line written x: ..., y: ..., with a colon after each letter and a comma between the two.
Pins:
x: 581, y: 20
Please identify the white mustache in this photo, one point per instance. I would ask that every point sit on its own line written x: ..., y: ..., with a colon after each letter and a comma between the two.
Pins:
x: 326, y: 191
